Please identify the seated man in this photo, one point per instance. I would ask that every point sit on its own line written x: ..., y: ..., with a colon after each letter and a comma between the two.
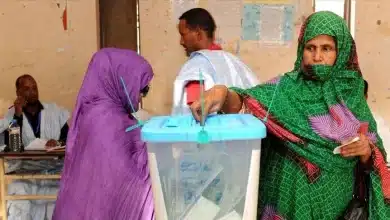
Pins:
x: 197, y: 28
x: 36, y: 120
x: 383, y: 129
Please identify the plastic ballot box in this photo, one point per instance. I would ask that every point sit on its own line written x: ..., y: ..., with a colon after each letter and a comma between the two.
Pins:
x: 194, y: 179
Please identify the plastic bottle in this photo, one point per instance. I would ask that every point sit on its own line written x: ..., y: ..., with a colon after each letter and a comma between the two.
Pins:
x: 15, y: 139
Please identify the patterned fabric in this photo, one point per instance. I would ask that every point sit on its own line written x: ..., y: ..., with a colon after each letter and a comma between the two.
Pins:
x: 301, y: 178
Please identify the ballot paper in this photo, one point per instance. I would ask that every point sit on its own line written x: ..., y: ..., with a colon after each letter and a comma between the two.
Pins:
x: 206, y: 209
x: 338, y: 149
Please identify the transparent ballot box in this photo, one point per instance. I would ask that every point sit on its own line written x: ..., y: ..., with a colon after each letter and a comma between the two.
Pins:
x: 204, y: 180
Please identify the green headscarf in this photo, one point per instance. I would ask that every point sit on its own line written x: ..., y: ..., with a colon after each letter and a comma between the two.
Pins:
x: 322, y: 113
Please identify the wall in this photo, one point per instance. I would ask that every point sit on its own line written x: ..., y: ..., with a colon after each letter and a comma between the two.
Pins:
x: 160, y: 45
x: 33, y: 40
x: 337, y: 6
x: 372, y: 36
x: 373, y: 43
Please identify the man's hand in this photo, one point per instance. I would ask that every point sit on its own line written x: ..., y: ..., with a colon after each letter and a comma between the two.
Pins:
x: 51, y: 143
x: 19, y: 103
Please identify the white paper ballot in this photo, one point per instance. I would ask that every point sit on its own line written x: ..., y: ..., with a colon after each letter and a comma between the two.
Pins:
x: 37, y: 144
x: 337, y: 149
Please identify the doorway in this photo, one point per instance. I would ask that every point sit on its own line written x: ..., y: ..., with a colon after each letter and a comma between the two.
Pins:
x: 118, y: 21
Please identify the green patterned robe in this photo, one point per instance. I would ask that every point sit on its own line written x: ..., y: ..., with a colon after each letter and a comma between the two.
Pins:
x: 301, y: 178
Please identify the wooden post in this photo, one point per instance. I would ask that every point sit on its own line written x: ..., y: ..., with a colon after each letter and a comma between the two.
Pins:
x: 3, y: 191
x: 118, y: 24
x: 347, y: 12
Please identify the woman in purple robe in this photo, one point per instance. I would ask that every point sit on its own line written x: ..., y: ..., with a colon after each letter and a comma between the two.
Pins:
x: 106, y: 176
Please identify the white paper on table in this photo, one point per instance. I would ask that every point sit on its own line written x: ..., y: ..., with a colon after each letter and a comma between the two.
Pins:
x: 37, y: 144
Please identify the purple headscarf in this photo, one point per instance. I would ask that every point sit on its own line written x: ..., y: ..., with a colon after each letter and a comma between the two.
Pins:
x: 106, y: 175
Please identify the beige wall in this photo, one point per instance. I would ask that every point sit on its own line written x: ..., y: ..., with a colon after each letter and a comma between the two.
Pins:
x: 32, y: 40
x: 373, y: 41
x: 373, y: 45
x: 167, y: 56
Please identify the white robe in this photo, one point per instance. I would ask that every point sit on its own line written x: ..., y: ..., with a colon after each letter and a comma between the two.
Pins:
x: 217, y: 67
x: 53, y: 118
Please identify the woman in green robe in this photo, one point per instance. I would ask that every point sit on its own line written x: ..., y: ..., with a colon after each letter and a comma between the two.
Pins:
x: 309, y: 112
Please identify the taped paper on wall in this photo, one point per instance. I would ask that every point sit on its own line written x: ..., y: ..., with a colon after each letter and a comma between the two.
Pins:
x: 271, y: 18
x: 251, y: 22
x: 268, y: 24
x: 276, y: 24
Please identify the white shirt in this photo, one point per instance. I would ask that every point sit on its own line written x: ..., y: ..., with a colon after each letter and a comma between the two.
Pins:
x: 217, y: 67
x: 53, y: 118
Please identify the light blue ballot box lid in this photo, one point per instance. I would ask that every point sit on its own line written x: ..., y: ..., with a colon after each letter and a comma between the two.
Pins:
x: 184, y: 128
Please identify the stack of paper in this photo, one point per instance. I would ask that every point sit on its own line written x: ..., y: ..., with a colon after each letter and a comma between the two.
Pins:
x: 37, y: 144
x: 40, y: 144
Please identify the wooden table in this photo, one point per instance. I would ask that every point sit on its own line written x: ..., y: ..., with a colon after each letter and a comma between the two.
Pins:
x: 5, y: 179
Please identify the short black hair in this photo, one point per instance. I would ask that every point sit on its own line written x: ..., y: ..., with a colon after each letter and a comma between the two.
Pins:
x: 365, y: 87
x: 200, y: 18
x: 22, y: 77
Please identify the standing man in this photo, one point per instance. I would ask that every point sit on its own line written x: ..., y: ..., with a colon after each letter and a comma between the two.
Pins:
x: 206, y: 59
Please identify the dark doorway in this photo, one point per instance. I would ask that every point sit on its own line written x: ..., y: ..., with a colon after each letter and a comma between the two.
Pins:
x: 118, y: 23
